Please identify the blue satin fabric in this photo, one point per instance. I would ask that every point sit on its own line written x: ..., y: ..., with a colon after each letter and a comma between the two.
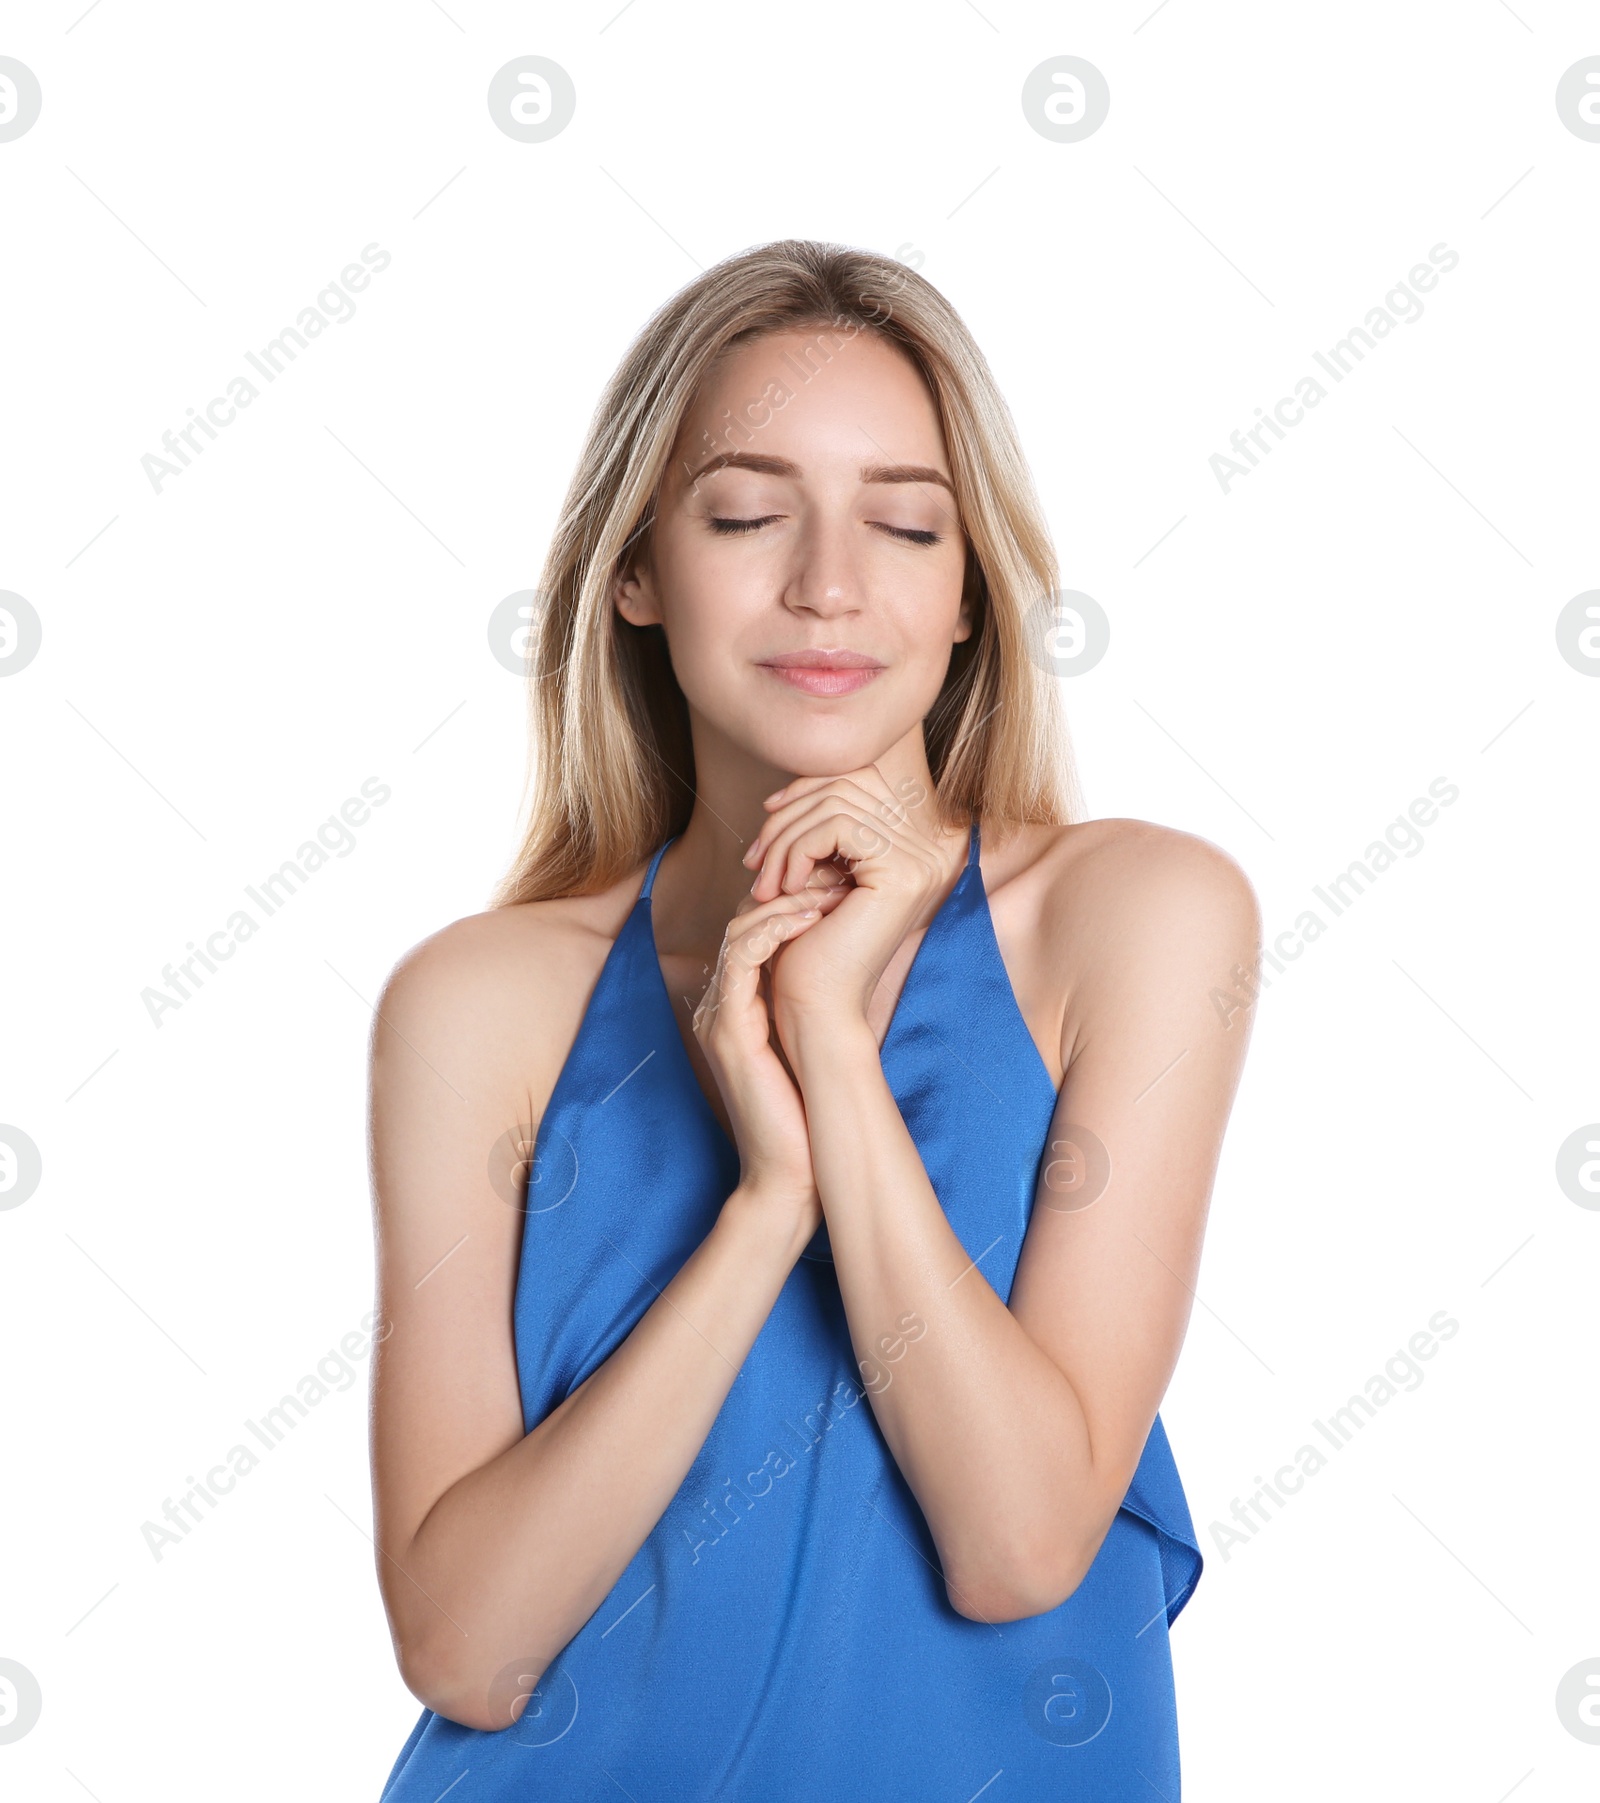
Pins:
x: 784, y: 1633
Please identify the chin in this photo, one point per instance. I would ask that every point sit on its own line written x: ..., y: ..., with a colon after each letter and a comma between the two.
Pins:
x: 815, y: 747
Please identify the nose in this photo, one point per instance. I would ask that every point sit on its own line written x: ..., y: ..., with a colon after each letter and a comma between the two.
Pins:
x: 825, y: 581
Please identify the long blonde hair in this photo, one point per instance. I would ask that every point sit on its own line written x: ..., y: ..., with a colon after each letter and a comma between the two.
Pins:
x: 611, y: 760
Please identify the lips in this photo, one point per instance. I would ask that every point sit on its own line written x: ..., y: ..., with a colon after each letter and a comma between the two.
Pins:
x: 823, y: 672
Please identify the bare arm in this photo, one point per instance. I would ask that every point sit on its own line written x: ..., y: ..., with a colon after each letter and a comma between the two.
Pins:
x: 496, y: 1546
x: 1019, y: 1427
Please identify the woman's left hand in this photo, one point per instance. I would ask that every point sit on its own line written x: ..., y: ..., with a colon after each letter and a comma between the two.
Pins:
x: 852, y: 839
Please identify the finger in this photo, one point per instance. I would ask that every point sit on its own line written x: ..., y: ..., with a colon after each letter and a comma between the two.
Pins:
x: 803, y: 785
x: 753, y: 939
x: 821, y: 890
x: 836, y: 829
x: 865, y: 789
x: 799, y: 799
x: 777, y: 870
x: 907, y: 792
x: 788, y: 802
x: 749, y: 942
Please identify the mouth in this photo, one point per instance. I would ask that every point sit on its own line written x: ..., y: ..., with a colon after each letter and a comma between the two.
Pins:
x: 823, y: 672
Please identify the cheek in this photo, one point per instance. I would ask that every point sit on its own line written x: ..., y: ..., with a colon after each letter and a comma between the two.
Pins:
x: 709, y: 613
x: 692, y: 584
x: 925, y: 604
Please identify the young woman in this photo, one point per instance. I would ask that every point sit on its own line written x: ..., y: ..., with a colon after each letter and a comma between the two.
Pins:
x: 789, y: 1193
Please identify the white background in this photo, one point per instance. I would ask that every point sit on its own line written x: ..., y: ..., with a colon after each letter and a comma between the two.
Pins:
x: 224, y: 662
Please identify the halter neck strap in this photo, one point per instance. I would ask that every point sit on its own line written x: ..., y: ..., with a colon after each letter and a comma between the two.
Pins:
x: 650, y: 874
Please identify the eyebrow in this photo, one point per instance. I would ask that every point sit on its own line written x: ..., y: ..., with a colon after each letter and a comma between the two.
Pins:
x: 781, y: 466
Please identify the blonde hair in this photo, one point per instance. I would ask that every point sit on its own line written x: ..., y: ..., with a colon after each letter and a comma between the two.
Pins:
x: 612, y: 765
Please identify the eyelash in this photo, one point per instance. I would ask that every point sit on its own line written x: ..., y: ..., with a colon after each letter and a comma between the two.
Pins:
x: 729, y: 528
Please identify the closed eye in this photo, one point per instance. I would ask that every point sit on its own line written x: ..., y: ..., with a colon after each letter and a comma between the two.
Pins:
x: 728, y: 527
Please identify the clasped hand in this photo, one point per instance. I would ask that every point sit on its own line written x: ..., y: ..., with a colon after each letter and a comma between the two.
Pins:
x: 851, y: 842
x: 842, y: 873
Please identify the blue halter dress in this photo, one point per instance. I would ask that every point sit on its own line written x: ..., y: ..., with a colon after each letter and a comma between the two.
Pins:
x: 783, y: 1634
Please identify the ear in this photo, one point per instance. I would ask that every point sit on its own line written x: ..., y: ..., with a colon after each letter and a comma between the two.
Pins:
x: 970, y: 588
x: 633, y: 593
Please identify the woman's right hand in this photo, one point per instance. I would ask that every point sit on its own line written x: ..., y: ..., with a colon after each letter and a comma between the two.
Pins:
x: 734, y: 1026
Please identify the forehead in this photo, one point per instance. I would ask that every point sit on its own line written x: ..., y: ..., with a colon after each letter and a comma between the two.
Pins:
x: 816, y: 391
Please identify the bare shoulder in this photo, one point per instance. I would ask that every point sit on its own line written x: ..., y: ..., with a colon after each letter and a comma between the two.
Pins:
x: 497, y: 997
x: 1086, y: 912
x: 1133, y: 871
x: 1099, y: 879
